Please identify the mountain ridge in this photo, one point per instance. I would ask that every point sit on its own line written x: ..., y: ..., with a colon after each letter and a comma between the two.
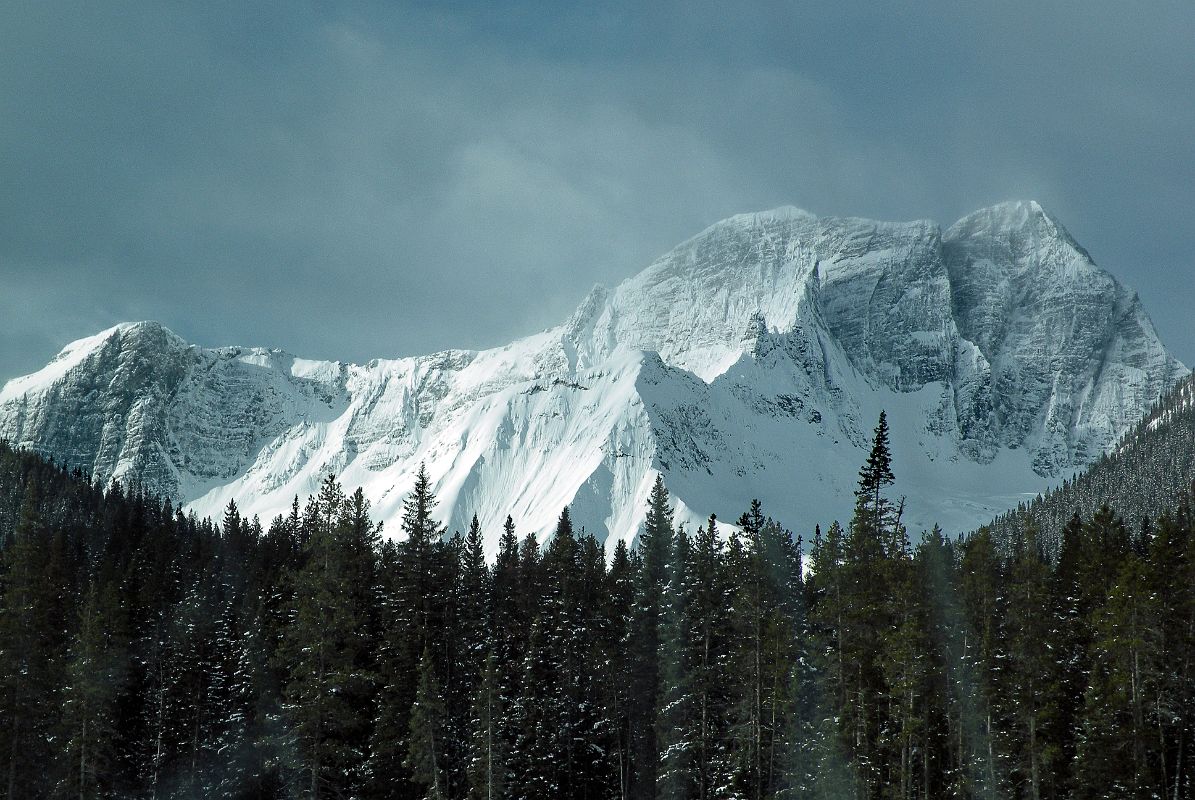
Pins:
x: 999, y: 341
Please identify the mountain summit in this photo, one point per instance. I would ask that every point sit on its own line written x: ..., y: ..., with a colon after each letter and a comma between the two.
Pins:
x: 750, y: 361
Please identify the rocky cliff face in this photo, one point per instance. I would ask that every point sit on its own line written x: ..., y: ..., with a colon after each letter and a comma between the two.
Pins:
x: 750, y: 361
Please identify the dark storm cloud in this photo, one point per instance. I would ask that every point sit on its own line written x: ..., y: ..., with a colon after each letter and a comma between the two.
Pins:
x: 380, y: 180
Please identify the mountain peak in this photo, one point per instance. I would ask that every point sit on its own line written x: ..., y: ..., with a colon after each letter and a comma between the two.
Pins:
x: 136, y: 328
x: 1009, y: 214
x: 78, y: 351
x: 1016, y: 220
x: 771, y: 215
x: 751, y: 220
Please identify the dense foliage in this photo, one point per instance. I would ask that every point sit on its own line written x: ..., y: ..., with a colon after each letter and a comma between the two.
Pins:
x: 1148, y: 473
x: 145, y: 653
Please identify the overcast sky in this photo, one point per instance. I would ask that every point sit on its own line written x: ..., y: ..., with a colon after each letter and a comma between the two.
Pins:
x: 352, y: 181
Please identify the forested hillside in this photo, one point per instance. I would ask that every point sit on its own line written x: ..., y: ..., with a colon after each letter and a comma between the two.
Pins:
x: 1150, y: 472
x: 145, y: 653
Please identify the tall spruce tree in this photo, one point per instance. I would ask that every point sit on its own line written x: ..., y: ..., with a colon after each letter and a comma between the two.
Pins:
x: 984, y: 591
x: 765, y: 571
x: 907, y: 669
x: 486, y: 756
x: 416, y: 600
x: 510, y: 632
x: 866, y: 615
x: 874, y: 511
x: 1029, y: 665
x: 617, y: 665
x: 1070, y: 634
x: 562, y: 638
x: 535, y: 756
x: 95, y: 678
x: 696, y: 756
x: 425, y: 754
x: 468, y: 644
x: 678, y: 717
x: 655, y: 552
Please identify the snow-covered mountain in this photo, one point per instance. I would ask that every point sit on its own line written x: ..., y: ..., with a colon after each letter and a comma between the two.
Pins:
x: 750, y: 361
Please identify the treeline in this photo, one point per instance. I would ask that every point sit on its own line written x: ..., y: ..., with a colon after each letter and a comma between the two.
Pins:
x: 1147, y: 474
x: 145, y: 653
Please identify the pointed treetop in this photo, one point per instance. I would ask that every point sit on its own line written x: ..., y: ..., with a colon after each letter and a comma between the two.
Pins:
x: 877, y: 472
x: 752, y: 521
x: 564, y: 525
x: 417, y: 521
x: 473, y: 538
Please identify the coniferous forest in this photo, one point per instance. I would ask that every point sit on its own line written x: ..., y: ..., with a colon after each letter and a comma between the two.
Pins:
x: 147, y: 654
x: 1149, y: 472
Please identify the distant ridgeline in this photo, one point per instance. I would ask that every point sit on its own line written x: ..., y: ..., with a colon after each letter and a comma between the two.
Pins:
x: 1150, y: 473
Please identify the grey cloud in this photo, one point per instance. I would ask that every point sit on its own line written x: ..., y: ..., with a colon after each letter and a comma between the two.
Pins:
x: 390, y: 179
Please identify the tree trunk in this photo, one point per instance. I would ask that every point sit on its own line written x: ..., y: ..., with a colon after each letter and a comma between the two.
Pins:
x: 704, y: 771
x: 12, y: 758
x: 772, y: 741
x: 1034, y: 785
x: 83, y: 759
x: 319, y: 724
x: 489, y: 745
x: 991, y: 757
x: 757, y: 704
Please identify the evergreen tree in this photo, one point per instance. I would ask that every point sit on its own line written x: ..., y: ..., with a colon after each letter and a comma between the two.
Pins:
x: 655, y: 549
x: 532, y: 589
x: 487, y: 771
x: 229, y: 762
x: 696, y: 759
x: 616, y: 667
x: 827, y: 592
x: 1029, y: 666
x: 420, y: 551
x: 952, y: 759
x: 1070, y: 634
x: 147, y: 653
x: 678, y: 720
x: 985, y: 599
x: 468, y: 648
x: 874, y: 536
x: 765, y: 571
x: 511, y: 631
x: 907, y: 668
x: 416, y: 597
x: 387, y: 773
x: 874, y: 512
x: 562, y: 675
x: 425, y: 754
x: 95, y: 677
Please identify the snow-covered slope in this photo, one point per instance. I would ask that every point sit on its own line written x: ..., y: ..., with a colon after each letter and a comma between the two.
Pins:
x: 750, y: 361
